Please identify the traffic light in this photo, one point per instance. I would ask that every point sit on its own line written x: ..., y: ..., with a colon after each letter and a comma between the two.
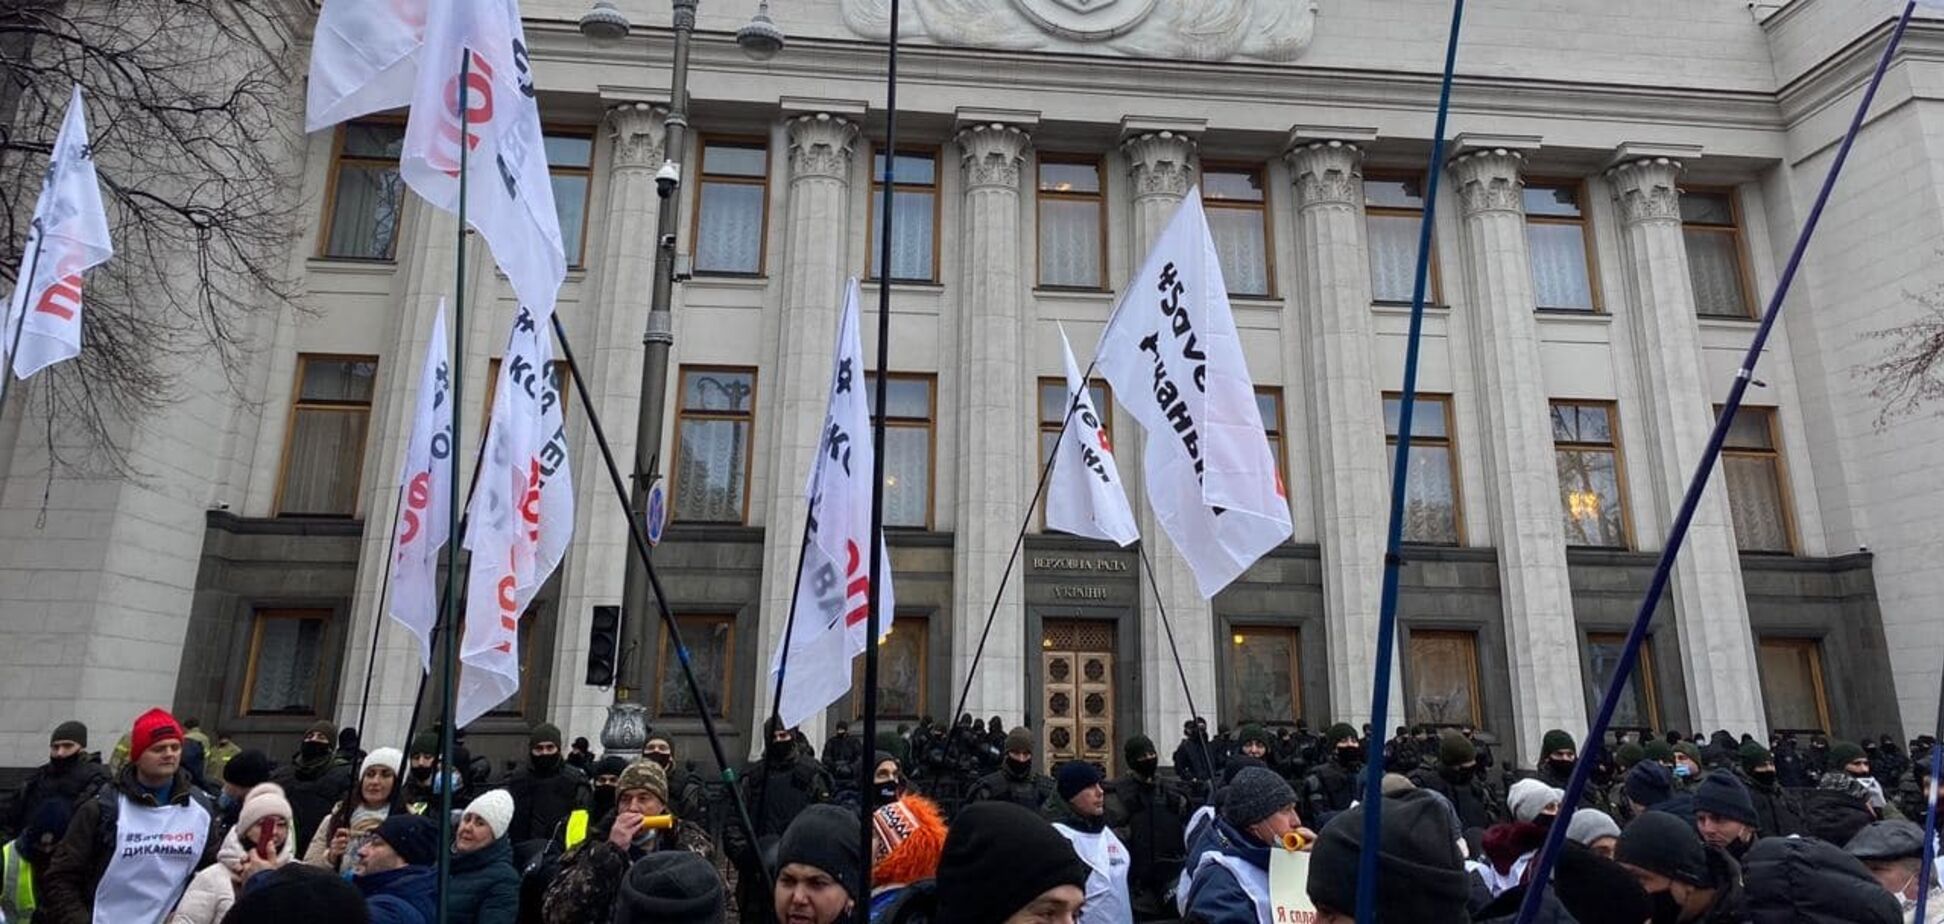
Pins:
x: 603, y: 642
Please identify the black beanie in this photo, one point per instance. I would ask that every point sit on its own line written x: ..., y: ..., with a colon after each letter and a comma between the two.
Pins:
x: 1019, y: 739
x: 1556, y: 740
x: 1840, y: 755
x: 70, y: 730
x: 1665, y: 845
x: 1753, y: 755
x: 1649, y: 783
x: 1136, y: 747
x: 1596, y: 890
x: 1255, y: 733
x: 1076, y: 776
x: 609, y: 765
x: 1721, y: 794
x: 415, y: 838
x: 545, y: 732
x: 826, y: 837
x: 1454, y: 749
x: 297, y: 894
x: 998, y: 858
x: 1417, y: 846
x: 670, y: 887
x: 248, y: 768
x: 1254, y: 794
x: 425, y: 742
x: 1337, y: 733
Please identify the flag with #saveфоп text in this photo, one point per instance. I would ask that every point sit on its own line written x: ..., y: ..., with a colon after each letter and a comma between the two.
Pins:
x: 1085, y: 496
x: 425, y: 498
x: 828, y: 627
x: 68, y: 236
x: 1172, y: 354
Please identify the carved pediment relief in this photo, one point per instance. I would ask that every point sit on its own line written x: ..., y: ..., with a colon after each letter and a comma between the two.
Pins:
x: 1192, y: 30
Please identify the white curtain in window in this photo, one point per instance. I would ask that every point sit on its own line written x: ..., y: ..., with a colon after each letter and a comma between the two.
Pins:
x: 730, y: 238
x: 1393, y: 257
x: 286, y: 665
x: 1559, y: 277
x: 321, y: 469
x: 907, y: 476
x: 1243, y: 252
x: 364, y: 217
x: 1430, y: 515
x: 911, y: 246
x: 1755, y: 500
x: 709, y: 483
x: 1715, y: 269
x: 1069, y: 243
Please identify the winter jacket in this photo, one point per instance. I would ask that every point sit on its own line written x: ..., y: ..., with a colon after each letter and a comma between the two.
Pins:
x: 214, y: 889
x: 1807, y: 881
x: 312, y: 788
x: 1191, y: 760
x: 1592, y: 796
x: 1215, y: 894
x: 1776, y: 811
x: 541, y: 800
x: 46, y: 801
x: 1832, y: 815
x: 1329, y: 789
x: 1031, y: 792
x: 1505, y: 909
x: 485, y: 888
x: 406, y: 895
x: 66, y: 889
x: 1148, y: 816
x: 1731, y: 899
x: 1469, y: 799
x: 590, y: 875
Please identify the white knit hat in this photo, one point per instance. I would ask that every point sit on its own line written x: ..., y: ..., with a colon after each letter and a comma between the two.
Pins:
x: 386, y: 757
x: 495, y: 808
x: 264, y: 800
x: 1529, y: 797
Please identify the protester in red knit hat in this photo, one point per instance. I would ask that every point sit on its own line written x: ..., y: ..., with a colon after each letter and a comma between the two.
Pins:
x: 129, y: 851
x: 908, y: 838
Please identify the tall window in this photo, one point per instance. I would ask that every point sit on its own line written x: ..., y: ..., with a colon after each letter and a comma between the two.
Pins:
x: 902, y: 671
x: 734, y: 204
x: 286, y: 651
x: 1752, y: 464
x: 1393, y: 213
x: 1269, y: 405
x: 1441, y: 682
x: 914, y: 204
x: 1265, y: 675
x: 908, y: 415
x: 1792, y: 684
x: 1238, y: 218
x: 1586, y: 449
x: 324, y: 450
x: 365, y: 192
x: 1053, y: 409
x: 570, y: 163
x: 712, y: 650
x: 1072, y: 223
x: 713, y: 444
x: 1711, y: 225
x: 1639, y: 708
x: 1562, y: 247
x: 1431, y: 507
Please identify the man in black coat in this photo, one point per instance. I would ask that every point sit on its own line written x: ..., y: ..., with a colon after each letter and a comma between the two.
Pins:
x: 1191, y: 762
x: 1015, y: 780
x: 1454, y: 775
x: 776, y: 789
x: 546, y: 790
x: 47, y: 799
x: 314, y: 780
x: 1332, y: 786
x: 1776, y: 811
x: 841, y: 754
x: 1148, y: 815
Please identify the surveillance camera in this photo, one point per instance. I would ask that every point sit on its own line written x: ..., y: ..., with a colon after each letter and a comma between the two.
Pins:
x: 667, y: 178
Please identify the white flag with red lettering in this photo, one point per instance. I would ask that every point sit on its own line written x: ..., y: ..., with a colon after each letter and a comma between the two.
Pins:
x: 425, y: 498
x: 830, y: 608
x: 364, y: 59
x: 509, y: 195
x: 520, y: 520
x: 1085, y: 496
x: 69, y: 235
x: 1173, y: 356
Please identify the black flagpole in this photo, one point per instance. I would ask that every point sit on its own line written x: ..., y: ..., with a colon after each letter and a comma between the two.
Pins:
x: 454, y: 537
x: 866, y: 769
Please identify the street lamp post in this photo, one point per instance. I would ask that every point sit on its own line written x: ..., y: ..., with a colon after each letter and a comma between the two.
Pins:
x: 626, y: 730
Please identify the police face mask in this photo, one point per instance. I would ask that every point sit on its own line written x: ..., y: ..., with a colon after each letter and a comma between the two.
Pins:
x: 660, y: 758
x: 777, y: 750
x: 1019, y: 767
x: 1147, y: 765
x: 1666, y: 909
x: 603, y: 801
x: 312, y: 750
x: 420, y: 774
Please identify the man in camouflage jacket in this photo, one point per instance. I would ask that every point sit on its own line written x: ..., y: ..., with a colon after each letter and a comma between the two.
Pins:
x: 591, y: 871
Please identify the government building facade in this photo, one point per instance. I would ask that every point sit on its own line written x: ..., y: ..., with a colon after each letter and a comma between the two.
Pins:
x: 1620, y: 193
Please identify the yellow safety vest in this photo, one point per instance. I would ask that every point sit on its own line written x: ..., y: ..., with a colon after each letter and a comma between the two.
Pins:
x: 16, y: 884
x: 576, y: 828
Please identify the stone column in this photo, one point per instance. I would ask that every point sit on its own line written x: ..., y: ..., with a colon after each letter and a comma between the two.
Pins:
x: 1522, y: 482
x: 1710, y: 608
x: 815, y: 268
x: 607, y: 340
x: 1345, y: 404
x: 992, y: 403
x: 1161, y: 166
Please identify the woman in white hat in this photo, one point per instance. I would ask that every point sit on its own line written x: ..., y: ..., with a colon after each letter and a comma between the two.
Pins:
x: 484, y: 888
x: 214, y: 890
x: 376, y: 798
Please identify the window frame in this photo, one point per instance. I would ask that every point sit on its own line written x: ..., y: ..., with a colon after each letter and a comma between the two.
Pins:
x: 1449, y: 442
x: 1643, y: 672
x: 338, y: 159
x: 1470, y: 636
x: 1774, y: 453
x: 258, y: 618
x: 1585, y: 224
x: 298, y: 404
x: 931, y: 436
x: 728, y: 669
x: 1099, y: 199
x: 1817, y: 683
x: 1278, y: 436
x: 1265, y: 208
x: 1744, y: 267
x: 1043, y: 429
x: 702, y: 178
x: 1619, y: 462
x: 1238, y: 633
x: 1435, y: 289
x: 682, y: 414
x: 937, y: 189
x: 924, y: 673
x: 586, y: 133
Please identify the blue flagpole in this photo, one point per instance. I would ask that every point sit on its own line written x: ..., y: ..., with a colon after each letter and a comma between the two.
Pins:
x: 1541, y: 873
x: 1373, y: 800
x: 1930, y: 832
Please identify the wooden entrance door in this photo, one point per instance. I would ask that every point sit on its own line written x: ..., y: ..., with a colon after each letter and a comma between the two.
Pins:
x: 1077, y: 698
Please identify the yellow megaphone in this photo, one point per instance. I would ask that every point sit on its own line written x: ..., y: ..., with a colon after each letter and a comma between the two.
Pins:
x: 1293, y: 841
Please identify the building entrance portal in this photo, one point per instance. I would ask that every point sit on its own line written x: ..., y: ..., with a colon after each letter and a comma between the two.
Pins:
x: 1077, y: 661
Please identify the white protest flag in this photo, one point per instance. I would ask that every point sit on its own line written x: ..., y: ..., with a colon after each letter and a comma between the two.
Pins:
x: 509, y: 194
x: 520, y: 519
x: 69, y: 235
x: 425, y: 501
x: 364, y: 59
x: 1085, y: 496
x: 1172, y: 354
x: 834, y: 582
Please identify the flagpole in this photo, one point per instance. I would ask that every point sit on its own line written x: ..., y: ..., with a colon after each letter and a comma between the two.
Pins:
x: 454, y: 537
x: 439, y: 625
x: 1201, y: 740
x: 26, y: 287
x: 1926, y: 868
x: 1697, y: 485
x: 789, y: 628
x: 640, y: 543
x: 378, y: 623
x: 866, y: 769
x: 1373, y: 800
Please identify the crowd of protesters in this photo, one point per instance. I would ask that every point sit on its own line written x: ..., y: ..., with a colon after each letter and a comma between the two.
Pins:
x: 181, y: 829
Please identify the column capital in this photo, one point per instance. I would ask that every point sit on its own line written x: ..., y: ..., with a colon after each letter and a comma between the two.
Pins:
x: 1646, y: 190
x: 821, y: 146
x: 991, y: 154
x: 638, y: 130
x: 1160, y: 163
x: 1490, y: 180
x: 1326, y: 173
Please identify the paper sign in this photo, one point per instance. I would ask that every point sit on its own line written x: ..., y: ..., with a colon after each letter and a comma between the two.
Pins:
x: 1289, y: 888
